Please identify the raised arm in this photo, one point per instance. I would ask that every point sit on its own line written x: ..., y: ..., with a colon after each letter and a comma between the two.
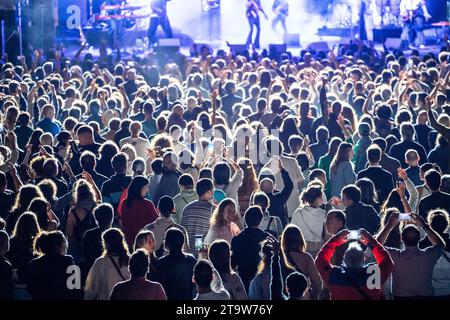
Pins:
x: 323, y: 258
x: 432, y: 235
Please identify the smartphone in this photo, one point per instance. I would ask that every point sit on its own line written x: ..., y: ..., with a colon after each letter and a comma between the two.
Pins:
x: 354, y: 235
x: 211, y: 147
x: 404, y: 216
x: 198, y: 242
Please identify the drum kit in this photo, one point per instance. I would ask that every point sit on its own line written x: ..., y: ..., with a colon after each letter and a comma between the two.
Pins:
x: 118, y: 11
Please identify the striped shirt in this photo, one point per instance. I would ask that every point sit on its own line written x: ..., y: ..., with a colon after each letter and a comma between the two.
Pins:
x: 195, y: 218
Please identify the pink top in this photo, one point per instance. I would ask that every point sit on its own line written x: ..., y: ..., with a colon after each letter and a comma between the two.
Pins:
x: 223, y: 233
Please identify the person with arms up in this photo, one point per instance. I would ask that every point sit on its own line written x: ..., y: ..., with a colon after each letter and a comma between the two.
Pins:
x: 349, y: 281
x: 413, y: 267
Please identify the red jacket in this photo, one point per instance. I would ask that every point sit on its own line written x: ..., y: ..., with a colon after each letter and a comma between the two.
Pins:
x: 337, y: 277
x: 136, y: 217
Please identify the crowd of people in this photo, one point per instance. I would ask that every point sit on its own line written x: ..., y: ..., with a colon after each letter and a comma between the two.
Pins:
x: 223, y: 176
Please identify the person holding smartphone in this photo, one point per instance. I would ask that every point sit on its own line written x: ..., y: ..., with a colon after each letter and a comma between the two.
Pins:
x: 349, y: 281
x: 412, y: 280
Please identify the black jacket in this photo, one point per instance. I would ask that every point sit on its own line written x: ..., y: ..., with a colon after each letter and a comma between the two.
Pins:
x: 360, y: 215
x: 278, y: 199
x: 6, y: 280
x: 381, y: 178
x: 434, y: 201
x: 175, y: 272
x: 168, y: 185
x: 92, y: 246
x: 47, y: 278
x: 245, y: 249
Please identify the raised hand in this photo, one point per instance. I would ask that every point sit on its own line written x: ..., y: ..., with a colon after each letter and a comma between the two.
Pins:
x: 400, y: 188
x: 365, y: 237
x: 402, y: 173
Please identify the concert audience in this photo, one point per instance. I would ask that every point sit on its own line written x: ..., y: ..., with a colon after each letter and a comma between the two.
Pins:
x: 258, y: 167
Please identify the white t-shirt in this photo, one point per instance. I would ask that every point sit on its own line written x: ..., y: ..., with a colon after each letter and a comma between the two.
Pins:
x: 140, y: 145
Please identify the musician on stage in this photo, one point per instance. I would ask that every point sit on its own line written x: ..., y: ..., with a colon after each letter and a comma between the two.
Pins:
x: 116, y: 27
x: 159, y: 18
x: 252, y: 12
x: 281, y: 10
x: 211, y: 12
x: 414, y: 14
x: 7, y: 12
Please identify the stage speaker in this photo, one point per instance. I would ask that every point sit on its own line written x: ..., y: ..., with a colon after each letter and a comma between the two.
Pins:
x: 393, y: 43
x: 318, y: 46
x: 292, y: 39
x: 168, y: 45
x: 169, y: 42
x: 276, y: 50
x: 238, y: 48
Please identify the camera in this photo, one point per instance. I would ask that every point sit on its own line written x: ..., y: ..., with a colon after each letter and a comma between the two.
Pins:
x: 353, y: 235
x: 404, y: 216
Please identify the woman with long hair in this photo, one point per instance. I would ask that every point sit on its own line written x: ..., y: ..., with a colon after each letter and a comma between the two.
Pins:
x: 341, y: 169
x: 223, y: 222
x: 325, y: 162
x: 26, y: 194
x: 397, y: 199
x: 295, y: 257
x: 110, y: 268
x: 394, y: 240
x: 310, y: 218
x: 47, y: 219
x: 12, y: 113
x: 219, y: 254
x: 145, y: 239
x: 137, y: 211
x: 21, y: 250
x: 35, y: 140
x: 368, y: 193
x: 306, y: 119
x: 48, y: 273
x: 107, y: 151
x: 80, y: 217
x: 289, y: 127
x: 259, y: 288
x: 249, y: 184
x: 349, y: 114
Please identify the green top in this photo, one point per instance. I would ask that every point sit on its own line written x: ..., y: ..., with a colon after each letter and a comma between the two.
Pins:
x: 325, y: 164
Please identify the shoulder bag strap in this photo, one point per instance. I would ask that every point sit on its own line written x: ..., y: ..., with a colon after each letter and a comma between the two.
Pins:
x: 117, y: 268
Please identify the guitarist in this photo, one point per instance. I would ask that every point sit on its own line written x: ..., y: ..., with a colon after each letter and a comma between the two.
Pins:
x: 253, y: 7
x: 414, y: 13
x: 212, y: 15
x: 281, y: 10
x: 159, y: 18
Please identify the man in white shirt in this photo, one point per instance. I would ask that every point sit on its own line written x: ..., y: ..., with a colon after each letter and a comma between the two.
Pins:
x: 141, y: 145
x: 414, y: 13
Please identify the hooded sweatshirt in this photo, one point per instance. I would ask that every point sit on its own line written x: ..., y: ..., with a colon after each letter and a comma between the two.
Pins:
x: 310, y: 220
